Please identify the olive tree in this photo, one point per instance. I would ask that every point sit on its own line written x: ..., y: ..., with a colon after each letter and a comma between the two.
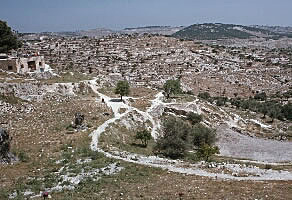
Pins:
x: 202, y: 135
x: 194, y: 118
x: 179, y: 136
x: 206, y: 151
x: 173, y: 142
x: 122, y: 88
x: 172, y: 87
x: 144, y: 136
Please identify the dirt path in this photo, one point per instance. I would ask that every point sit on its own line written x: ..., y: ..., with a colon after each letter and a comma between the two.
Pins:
x: 251, y: 173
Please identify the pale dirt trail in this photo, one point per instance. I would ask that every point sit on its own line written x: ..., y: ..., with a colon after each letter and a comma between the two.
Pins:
x: 173, y: 165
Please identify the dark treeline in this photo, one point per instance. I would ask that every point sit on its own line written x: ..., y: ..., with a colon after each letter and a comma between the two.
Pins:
x: 260, y: 103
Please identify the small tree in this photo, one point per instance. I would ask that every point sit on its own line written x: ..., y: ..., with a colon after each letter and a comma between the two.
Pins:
x: 194, y: 118
x: 204, y: 95
x: 206, y: 151
x: 287, y: 94
x: 275, y: 112
x: 261, y: 96
x: 144, y: 136
x: 220, y: 102
x: 235, y: 102
x: 172, y: 87
x: 202, y: 135
x: 264, y: 109
x: 122, y: 88
x: 287, y: 111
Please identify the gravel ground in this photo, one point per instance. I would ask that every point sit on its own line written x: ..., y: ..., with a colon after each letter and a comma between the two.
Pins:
x: 233, y: 144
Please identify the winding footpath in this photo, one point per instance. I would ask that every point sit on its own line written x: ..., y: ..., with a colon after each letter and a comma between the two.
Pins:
x: 172, y: 165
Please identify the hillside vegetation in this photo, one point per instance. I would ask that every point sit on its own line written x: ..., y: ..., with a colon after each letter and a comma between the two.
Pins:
x: 210, y: 31
x: 8, y: 39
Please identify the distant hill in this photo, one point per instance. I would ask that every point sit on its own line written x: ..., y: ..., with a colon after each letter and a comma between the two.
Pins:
x: 215, y: 31
x: 280, y: 30
x: 98, y: 32
x: 102, y: 32
x: 163, y: 30
x: 207, y: 31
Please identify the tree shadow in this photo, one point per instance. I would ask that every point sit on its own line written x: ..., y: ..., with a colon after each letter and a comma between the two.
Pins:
x: 116, y: 100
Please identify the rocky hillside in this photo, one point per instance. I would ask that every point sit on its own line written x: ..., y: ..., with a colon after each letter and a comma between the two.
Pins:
x: 210, y: 31
x: 284, y: 31
x: 164, y: 30
x: 103, y: 32
x: 98, y: 32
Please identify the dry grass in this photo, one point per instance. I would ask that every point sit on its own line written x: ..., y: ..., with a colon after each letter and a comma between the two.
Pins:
x: 143, y: 92
x: 68, y: 77
x: 144, y: 95
x: 119, y: 137
x: 141, y: 104
x: 40, y: 135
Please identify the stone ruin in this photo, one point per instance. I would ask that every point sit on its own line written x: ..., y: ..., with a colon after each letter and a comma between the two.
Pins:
x: 5, y: 140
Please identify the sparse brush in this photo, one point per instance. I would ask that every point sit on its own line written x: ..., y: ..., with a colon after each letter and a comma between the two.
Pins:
x: 23, y: 157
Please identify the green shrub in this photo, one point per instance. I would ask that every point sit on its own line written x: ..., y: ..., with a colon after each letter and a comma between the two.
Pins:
x: 202, y: 135
x: 172, y: 87
x: 206, y: 151
x: 189, y: 92
x: 287, y: 111
x: 144, y: 136
x: 220, y: 102
x: 178, y: 136
x: 173, y: 142
x: 204, y: 95
x: 23, y: 157
x: 8, y: 40
x: 10, y: 98
x: 261, y: 96
x: 194, y: 118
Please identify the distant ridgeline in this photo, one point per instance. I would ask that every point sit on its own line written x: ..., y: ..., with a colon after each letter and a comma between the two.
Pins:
x: 215, y: 31
x: 148, y: 27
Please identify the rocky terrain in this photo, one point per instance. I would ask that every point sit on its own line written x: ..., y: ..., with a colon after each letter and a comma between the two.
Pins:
x: 74, y: 138
x: 102, y: 32
x: 162, y: 30
x: 121, y: 121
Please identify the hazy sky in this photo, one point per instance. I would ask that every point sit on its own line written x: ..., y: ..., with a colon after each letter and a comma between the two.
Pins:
x: 69, y: 15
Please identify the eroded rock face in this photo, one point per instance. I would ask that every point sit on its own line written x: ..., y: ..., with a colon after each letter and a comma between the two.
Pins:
x: 176, y: 111
x: 5, y: 140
